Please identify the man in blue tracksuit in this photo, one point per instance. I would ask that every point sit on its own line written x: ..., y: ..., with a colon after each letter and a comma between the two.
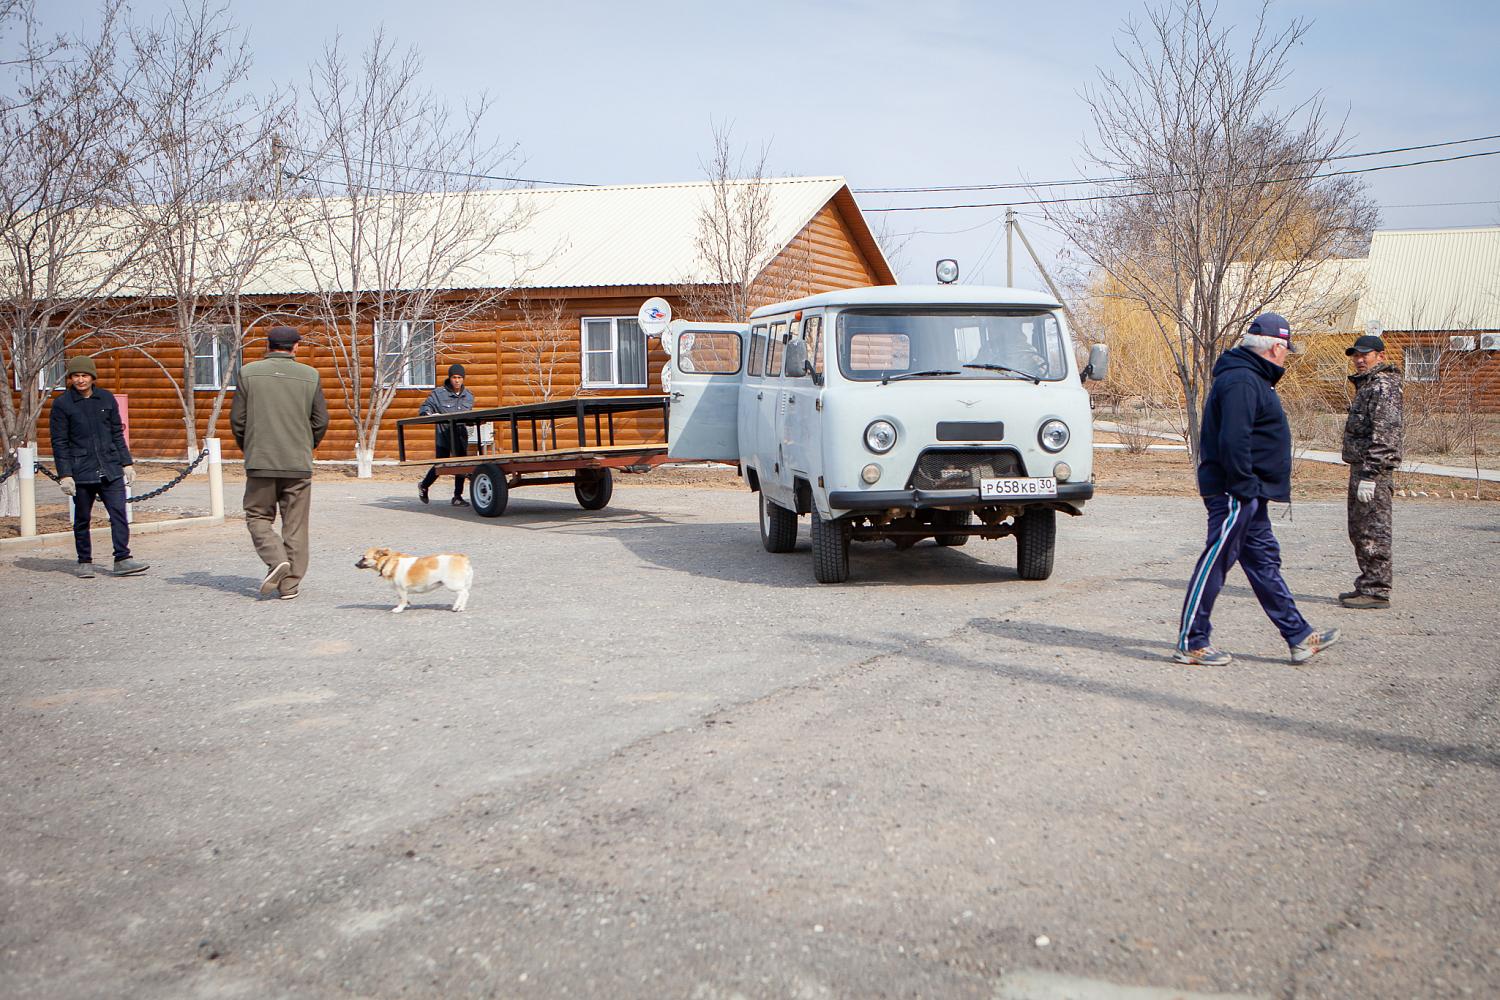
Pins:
x: 1245, y: 461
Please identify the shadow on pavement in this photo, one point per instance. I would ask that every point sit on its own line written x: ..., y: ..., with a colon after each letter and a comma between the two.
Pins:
x: 1230, y: 590
x: 1327, y: 732
x: 243, y: 586
x: 64, y: 566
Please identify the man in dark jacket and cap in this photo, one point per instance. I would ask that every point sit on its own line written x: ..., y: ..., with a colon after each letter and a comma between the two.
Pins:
x: 450, y: 397
x: 1245, y: 461
x: 1372, y: 449
x: 93, y: 462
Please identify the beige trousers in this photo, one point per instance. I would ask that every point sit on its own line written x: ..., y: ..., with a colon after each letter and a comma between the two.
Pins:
x: 264, y: 495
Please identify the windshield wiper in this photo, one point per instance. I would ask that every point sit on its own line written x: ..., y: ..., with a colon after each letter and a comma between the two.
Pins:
x: 1035, y: 379
x: 930, y: 372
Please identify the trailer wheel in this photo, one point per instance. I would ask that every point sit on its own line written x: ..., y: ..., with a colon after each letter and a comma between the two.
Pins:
x: 1036, y: 539
x: 778, y: 527
x: 830, y: 545
x: 488, y: 491
x: 952, y: 519
x: 593, y: 488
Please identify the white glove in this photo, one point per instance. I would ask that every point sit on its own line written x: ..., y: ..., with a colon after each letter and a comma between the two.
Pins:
x: 1365, y: 492
x: 129, y: 474
x: 68, y: 487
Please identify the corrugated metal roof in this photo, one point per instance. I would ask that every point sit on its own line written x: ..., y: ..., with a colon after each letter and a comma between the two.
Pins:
x: 585, y: 237
x: 1433, y: 279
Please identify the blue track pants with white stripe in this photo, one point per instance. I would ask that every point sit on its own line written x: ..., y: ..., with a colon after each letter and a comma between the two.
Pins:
x: 1239, y: 531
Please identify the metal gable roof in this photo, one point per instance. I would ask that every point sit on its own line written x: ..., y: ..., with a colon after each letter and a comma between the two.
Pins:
x: 619, y: 235
x: 1433, y: 279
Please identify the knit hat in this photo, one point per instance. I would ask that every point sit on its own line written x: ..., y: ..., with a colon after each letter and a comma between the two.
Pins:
x: 455, y: 370
x: 82, y: 364
x: 282, y: 338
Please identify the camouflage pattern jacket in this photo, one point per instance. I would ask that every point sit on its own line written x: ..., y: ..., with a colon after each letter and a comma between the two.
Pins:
x: 1372, y: 434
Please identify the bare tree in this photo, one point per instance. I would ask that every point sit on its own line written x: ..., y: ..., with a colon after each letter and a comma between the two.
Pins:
x: 66, y: 252
x: 393, y: 217
x: 545, y: 344
x: 1216, y: 209
x: 734, y: 238
x: 203, y: 189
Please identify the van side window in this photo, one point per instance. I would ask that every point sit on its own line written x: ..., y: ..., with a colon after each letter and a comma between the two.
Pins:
x: 757, y: 351
x: 778, y: 345
x: 812, y: 332
x: 709, y: 352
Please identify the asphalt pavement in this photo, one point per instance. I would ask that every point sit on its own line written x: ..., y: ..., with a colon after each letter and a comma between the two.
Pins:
x: 654, y: 760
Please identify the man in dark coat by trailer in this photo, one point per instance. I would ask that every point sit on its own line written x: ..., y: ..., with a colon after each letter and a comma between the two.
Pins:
x: 450, y: 397
x: 93, y: 462
x: 1245, y: 461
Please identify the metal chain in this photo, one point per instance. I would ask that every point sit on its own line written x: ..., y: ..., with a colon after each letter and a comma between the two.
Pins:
x: 144, y: 496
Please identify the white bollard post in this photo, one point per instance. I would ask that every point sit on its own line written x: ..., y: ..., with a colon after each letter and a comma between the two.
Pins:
x: 26, y: 455
x: 215, y: 480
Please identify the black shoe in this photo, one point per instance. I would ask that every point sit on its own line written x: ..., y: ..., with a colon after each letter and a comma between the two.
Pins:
x: 422, y: 492
x: 460, y: 502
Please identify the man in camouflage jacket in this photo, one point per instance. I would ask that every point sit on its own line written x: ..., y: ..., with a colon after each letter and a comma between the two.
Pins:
x: 1372, y: 450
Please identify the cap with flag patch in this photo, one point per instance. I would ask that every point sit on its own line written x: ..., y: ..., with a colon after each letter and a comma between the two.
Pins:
x: 1274, y: 325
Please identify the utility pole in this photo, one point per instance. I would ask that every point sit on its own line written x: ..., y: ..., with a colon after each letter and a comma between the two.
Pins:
x: 1010, y: 247
x: 1051, y: 286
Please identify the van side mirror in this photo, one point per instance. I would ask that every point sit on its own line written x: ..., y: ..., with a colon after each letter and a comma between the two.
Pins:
x: 796, y: 358
x: 1097, y: 369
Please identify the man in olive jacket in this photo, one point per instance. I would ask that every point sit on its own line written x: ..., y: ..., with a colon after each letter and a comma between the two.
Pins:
x: 93, y: 462
x: 278, y: 417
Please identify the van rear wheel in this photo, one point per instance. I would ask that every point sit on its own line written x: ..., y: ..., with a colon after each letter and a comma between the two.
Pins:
x: 778, y: 527
x: 1036, y: 539
x: 830, y: 545
x: 952, y: 519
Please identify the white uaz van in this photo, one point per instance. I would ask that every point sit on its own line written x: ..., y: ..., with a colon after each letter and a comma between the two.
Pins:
x: 894, y: 412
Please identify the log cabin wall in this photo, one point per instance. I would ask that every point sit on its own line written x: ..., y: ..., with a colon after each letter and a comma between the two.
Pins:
x: 828, y: 254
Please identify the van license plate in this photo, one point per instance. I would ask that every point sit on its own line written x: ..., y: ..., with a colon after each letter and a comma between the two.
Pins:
x: 1041, y: 486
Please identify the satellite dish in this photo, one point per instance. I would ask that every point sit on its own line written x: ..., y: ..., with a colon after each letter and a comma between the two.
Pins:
x: 654, y: 315
x: 1373, y: 328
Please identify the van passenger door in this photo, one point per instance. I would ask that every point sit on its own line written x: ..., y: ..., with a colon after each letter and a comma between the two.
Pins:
x: 801, y: 426
x: 707, y: 364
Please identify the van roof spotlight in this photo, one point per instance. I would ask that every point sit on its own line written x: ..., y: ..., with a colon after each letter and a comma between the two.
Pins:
x: 947, y: 271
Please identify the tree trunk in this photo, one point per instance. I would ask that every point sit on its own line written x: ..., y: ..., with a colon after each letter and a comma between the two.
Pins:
x: 10, y: 496
x: 364, y: 461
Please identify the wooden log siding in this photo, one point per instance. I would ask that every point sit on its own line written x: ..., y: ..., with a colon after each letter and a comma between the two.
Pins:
x: 825, y: 256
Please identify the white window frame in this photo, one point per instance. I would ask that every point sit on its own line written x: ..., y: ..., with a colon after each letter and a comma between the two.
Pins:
x: 220, y: 337
x: 613, y: 351
x: 1424, y: 369
x: 58, y: 366
x: 410, y: 376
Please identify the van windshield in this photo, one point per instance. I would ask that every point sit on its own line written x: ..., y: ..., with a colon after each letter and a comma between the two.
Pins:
x: 1015, y: 343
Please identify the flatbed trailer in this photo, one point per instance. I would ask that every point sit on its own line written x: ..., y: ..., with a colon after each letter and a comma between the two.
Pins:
x: 588, y: 461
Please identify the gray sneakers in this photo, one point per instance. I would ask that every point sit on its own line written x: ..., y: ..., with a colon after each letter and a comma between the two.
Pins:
x: 274, y: 576
x: 1314, y: 644
x: 129, y: 567
x: 84, y: 571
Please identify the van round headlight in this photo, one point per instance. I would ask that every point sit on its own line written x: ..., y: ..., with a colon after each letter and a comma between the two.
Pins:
x: 1054, y: 435
x: 880, y: 436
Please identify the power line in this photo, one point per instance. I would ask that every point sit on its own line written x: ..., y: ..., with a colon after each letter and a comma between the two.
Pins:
x: 1123, y: 179
x: 436, y: 170
x: 1142, y: 194
x: 1440, y: 204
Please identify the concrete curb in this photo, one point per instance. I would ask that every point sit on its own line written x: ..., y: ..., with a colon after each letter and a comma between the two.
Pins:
x: 101, y: 534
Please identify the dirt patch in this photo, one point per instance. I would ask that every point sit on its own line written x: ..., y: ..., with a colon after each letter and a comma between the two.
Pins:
x: 53, y: 517
x: 1171, y: 473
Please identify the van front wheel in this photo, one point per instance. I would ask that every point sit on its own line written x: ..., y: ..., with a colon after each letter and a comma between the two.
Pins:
x: 778, y: 527
x: 1036, y: 539
x: 830, y: 545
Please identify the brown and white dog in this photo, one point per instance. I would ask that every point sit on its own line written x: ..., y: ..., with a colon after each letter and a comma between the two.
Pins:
x: 419, y: 574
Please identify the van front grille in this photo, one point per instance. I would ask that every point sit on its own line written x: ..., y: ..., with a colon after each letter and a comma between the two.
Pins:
x: 958, y: 470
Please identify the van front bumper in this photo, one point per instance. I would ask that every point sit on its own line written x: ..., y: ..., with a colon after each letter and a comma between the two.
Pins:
x: 1068, y: 494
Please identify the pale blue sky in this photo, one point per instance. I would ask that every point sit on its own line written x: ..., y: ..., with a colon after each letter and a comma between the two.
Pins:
x: 890, y: 93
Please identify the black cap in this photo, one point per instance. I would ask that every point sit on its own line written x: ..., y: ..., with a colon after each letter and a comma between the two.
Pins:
x: 1364, y: 345
x: 455, y: 370
x: 282, y: 338
x: 1274, y: 325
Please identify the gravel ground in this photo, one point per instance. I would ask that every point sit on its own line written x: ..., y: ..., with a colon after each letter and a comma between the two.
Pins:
x: 654, y: 760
